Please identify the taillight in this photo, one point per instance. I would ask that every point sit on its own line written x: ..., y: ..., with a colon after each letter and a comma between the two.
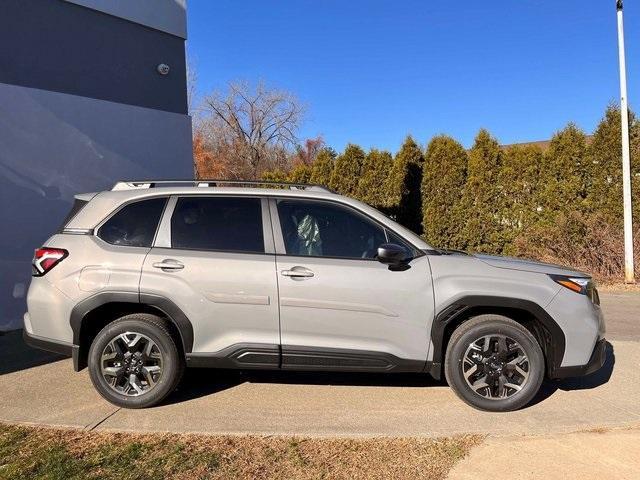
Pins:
x: 45, y: 259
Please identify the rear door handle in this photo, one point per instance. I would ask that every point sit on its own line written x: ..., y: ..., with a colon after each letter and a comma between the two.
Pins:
x: 169, y: 264
x: 297, y: 272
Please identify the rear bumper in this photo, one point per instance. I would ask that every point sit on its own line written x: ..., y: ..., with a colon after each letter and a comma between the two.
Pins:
x: 598, y: 357
x: 61, y: 348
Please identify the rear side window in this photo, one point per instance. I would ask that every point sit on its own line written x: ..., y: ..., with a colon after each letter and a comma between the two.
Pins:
x: 134, y: 225
x: 229, y: 224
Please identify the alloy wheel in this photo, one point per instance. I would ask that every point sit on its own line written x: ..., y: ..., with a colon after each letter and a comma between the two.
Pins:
x: 131, y: 364
x: 495, y: 366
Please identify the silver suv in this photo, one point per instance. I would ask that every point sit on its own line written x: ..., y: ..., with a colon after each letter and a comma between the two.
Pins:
x: 151, y: 277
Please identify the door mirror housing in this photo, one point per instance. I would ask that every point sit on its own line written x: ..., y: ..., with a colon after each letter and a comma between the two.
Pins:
x: 395, y: 256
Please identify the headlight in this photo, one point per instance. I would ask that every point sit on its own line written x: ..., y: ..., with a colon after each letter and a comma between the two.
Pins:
x: 581, y: 285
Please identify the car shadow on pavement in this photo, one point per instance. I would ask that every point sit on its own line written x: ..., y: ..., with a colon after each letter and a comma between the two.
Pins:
x: 15, y: 355
x: 596, y: 379
x: 198, y: 382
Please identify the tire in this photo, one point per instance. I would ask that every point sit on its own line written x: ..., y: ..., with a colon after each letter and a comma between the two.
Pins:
x: 498, y: 370
x: 150, y: 355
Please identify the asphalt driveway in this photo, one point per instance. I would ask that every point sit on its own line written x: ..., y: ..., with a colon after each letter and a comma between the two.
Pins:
x: 36, y: 387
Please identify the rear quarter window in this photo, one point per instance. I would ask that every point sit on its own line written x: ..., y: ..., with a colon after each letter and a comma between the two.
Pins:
x: 134, y: 225
x: 75, y: 209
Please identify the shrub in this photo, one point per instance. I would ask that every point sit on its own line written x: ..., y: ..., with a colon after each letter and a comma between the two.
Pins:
x: 605, y: 161
x: 566, y: 172
x: 274, y: 176
x: 301, y: 173
x: 373, y: 183
x: 347, y: 170
x: 482, y: 230
x: 563, y: 204
x: 519, y: 190
x: 586, y: 242
x: 322, y: 167
x: 405, y: 202
x: 443, y: 180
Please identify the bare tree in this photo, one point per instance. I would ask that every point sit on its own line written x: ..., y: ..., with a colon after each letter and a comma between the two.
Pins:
x: 192, y: 86
x: 250, y: 129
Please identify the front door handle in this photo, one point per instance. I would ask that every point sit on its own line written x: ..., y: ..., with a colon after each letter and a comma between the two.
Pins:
x: 297, y: 272
x: 168, y: 265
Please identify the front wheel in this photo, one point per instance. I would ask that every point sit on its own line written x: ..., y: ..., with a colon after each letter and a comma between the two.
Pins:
x: 493, y: 363
x: 134, y: 361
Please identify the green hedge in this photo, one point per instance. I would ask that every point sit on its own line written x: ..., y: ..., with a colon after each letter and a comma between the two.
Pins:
x: 518, y: 200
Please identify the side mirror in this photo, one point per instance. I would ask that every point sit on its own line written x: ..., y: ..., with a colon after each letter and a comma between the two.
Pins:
x: 395, y: 256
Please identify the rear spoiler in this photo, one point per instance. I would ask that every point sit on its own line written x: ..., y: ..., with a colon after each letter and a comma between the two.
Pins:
x: 79, y: 202
x: 85, y: 197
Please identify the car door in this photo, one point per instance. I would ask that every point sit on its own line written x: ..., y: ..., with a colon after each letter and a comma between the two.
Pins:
x: 213, y: 258
x: 339, y: 307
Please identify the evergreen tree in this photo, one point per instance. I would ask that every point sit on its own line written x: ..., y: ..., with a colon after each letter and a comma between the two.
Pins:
x: 604, y: 193
x: 301, y: 173
x: 519, y: 186
x: 404, y: 200
x: 346, y: 171
x: 276, y: 175
x: 566, y: 174
x: 443, y: 180
x: 322, y: 167
x: 483, y: 229
x: 372, y: 185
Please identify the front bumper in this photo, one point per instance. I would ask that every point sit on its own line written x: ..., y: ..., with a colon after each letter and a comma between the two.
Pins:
x: 595, y: 363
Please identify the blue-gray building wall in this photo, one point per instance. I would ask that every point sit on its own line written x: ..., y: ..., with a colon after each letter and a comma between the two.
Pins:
x: 82, y: 105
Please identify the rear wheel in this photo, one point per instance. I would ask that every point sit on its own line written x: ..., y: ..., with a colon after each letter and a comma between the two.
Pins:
x: 134, y: 361
x: 493, y: 363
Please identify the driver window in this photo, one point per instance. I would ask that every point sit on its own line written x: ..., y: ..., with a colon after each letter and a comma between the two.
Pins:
x: 323, y: 229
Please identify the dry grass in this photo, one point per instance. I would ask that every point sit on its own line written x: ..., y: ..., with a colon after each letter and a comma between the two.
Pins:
x: 598, y: 430
x: 31, y: 452
x: 618, y: 287
x: 609, y: 429
x: 587, y: 243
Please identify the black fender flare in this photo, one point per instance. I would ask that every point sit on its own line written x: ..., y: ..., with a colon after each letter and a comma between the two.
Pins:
x: 162, y: 304
x: 555, y: 346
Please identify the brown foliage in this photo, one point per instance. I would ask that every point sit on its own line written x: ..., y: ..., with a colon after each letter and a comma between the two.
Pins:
x: 585, y: 242
x: 307, y: 153
x: 205, y: 161
x: 248, y: 130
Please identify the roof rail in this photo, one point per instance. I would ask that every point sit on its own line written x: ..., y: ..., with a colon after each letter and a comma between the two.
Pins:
x: 135, y: 184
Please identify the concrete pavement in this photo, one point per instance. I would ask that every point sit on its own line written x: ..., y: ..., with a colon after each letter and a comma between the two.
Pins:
x: 39, y: 388
x: 584, y: 455
x: 622, y: 315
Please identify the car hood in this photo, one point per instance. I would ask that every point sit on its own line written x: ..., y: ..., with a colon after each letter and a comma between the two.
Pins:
x: 524, y: 265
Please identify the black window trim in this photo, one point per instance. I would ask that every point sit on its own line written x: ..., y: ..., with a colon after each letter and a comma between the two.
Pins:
x: 269, y: 214
x: 96, y: 230
x: 267, y: 230
x: 76, y: 207
x: 279, y: 240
